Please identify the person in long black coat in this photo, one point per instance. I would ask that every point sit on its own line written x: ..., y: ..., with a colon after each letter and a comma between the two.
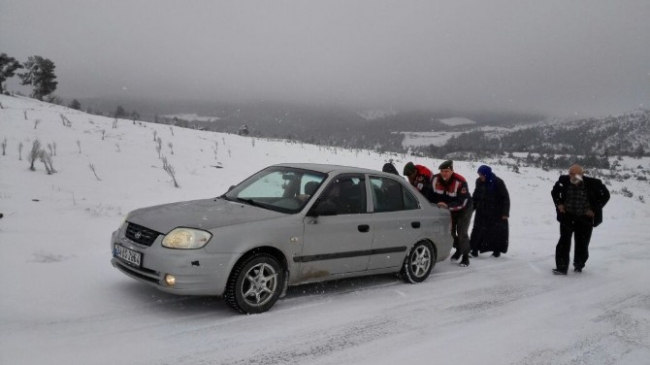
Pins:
x: 492, y: 205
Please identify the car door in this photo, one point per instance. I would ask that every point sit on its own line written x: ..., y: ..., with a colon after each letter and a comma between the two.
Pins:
x: 338, y: 242
x: 397, y: 220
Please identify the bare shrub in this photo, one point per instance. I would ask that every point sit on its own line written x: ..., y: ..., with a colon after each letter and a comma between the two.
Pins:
x: 4, y: 146
x: 52, y: 148
x: 79, y: 146
x: 66, y: 121
x: 46, y: 159
x: 171, y: 129
x: 159, y: 147
x: 20, y: 151
x: 171, y: 147
x: 92, y: 168
x: 170, y: 170
x: 34, y: 154
x: 103, y: 134
x: 626, y: 192
x: 36, y: 123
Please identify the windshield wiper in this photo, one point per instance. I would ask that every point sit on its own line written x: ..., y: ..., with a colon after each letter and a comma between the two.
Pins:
x: 251, y: 202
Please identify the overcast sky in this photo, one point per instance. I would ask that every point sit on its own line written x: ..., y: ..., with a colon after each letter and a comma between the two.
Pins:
x: 567, y: 58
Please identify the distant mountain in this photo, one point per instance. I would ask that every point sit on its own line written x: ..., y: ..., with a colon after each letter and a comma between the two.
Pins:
x: 627, y: 134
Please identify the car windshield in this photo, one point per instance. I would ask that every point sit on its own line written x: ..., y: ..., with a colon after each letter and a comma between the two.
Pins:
x: 278, y: 188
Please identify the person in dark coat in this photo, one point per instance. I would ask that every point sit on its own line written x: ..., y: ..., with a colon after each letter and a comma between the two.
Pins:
x: 492, y: 210
x: 579, y: 202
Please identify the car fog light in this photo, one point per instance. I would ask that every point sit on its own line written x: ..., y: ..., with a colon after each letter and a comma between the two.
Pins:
x: 170, y: 280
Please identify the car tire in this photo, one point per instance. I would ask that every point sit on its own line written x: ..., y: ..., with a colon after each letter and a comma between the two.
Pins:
x: 418, y: 263
x: 255, y: 284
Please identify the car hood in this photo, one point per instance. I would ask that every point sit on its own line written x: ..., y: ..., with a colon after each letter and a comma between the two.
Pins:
x: 205, y: 214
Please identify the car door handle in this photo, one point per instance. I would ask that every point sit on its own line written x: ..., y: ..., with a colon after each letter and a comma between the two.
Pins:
x: 415, y: 224
x: 363, y: 228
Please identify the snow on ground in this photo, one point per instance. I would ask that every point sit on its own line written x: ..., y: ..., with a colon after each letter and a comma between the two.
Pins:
x: 412, y: 139
x: 457, y: 121
x: 62, y: 302
x: 440, y: 138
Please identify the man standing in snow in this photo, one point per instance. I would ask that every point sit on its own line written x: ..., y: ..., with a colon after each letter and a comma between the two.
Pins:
x: 449, y: 190
x: 579, y: 202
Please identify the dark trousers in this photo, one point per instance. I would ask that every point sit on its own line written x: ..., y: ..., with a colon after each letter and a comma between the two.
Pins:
x: 581, y: 227
x: 459, y: 229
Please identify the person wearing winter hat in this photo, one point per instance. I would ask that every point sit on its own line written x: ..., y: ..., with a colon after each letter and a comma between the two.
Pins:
x: 492, y: 206
x: 420, y: 177
x: 449, y: 190
x: 390, y: 168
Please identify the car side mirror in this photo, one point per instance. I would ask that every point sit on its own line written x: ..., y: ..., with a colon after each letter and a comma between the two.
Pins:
x: 324, y: 208
x: 231, y: 187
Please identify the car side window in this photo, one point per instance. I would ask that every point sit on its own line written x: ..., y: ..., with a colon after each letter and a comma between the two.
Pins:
x: 389, y: 195
x: 410, y: 201
x: 347, y: 193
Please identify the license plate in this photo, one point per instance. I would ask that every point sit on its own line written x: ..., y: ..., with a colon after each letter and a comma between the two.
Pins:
x: 128, y: 255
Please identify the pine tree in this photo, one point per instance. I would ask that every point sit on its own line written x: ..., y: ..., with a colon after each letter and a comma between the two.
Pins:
x: 75, y: 104
x: 40, y: 74
x: 8, y: 67
x: 119, y: 112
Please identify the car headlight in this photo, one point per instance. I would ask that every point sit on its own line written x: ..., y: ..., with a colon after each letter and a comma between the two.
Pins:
x: 123, y: 222
x: 186, y: 238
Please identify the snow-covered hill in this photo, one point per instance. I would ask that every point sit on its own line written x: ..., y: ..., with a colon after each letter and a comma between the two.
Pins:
x: 62, y: 301
x: 627, y: 134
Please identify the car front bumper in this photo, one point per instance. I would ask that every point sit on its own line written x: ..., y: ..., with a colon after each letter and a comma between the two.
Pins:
x: 196, y: 272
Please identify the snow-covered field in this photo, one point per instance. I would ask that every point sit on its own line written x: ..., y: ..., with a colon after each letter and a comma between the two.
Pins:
x: 61, y: 301
x: 457, y: 121
x: 440, y: 138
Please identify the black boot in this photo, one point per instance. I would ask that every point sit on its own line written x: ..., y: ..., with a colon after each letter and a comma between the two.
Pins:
x: 474, y: 253
x: 496, y: 253
x: 456, y: 255
x: 465, y: 261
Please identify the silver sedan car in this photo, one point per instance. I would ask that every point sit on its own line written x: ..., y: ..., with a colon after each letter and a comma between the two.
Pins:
x: 288, y: 224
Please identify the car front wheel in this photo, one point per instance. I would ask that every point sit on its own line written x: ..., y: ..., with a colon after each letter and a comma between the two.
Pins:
x: 255, y: 284
x: 419, y: 263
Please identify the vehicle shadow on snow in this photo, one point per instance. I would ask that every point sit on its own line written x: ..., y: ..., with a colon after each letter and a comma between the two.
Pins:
x: 139, y: 294
x: 342, y: 285
x: 149, y: 298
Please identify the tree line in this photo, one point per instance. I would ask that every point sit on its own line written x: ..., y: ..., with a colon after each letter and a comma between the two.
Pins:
x: 38, y: 73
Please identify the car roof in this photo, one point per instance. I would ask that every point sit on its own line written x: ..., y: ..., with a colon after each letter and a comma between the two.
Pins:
x: 339, y: 169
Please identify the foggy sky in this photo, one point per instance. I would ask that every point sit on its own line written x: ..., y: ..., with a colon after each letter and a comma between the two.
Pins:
x: 559, y: 57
